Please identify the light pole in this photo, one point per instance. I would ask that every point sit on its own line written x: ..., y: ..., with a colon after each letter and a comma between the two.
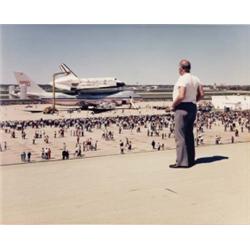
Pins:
x: 54, y: 90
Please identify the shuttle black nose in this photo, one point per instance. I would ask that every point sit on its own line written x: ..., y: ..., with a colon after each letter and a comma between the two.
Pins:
x: 120, y: 84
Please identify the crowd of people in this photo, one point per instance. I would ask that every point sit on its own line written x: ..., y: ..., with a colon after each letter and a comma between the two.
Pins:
x: 159, y: 127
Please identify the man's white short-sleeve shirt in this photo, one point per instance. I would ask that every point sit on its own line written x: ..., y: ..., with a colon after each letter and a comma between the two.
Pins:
x: 191, y: 83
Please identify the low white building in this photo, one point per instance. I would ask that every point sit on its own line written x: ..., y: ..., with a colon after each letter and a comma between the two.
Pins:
x: 232, y: 102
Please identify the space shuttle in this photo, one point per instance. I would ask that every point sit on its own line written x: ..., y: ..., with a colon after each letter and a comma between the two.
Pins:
x: 85, y: 87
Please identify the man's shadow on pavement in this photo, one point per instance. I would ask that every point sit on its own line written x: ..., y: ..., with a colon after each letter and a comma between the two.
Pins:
x: 210, y: 159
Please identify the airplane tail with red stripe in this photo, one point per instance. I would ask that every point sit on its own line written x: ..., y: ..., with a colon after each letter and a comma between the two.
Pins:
x: 23, y: 79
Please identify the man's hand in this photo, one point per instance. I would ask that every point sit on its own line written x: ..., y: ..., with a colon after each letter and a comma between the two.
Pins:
x: 172, y: 107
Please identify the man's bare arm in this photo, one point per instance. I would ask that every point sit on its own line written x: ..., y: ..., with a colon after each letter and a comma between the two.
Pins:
x: 180, y: 97
x: 200, y: 93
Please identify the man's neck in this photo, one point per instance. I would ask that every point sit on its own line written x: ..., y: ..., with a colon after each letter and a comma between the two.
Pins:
x: 185, y: 73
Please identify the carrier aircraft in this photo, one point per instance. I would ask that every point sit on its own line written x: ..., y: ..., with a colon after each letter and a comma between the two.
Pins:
x: 97, y: 94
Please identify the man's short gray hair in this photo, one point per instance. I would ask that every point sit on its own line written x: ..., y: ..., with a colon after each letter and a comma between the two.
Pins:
x: 185, y: 65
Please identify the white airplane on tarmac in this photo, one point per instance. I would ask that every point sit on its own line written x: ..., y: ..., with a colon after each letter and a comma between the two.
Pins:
x: 99, y: 101
x: 109, y: 90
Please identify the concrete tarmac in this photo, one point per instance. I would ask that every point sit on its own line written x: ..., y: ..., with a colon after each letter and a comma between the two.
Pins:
x: 137, y: 188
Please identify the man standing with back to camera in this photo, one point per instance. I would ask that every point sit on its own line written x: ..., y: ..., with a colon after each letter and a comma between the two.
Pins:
x: 187, y: 91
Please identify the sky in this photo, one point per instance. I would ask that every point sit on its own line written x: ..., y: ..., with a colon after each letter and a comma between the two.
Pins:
x: 144, y: 54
